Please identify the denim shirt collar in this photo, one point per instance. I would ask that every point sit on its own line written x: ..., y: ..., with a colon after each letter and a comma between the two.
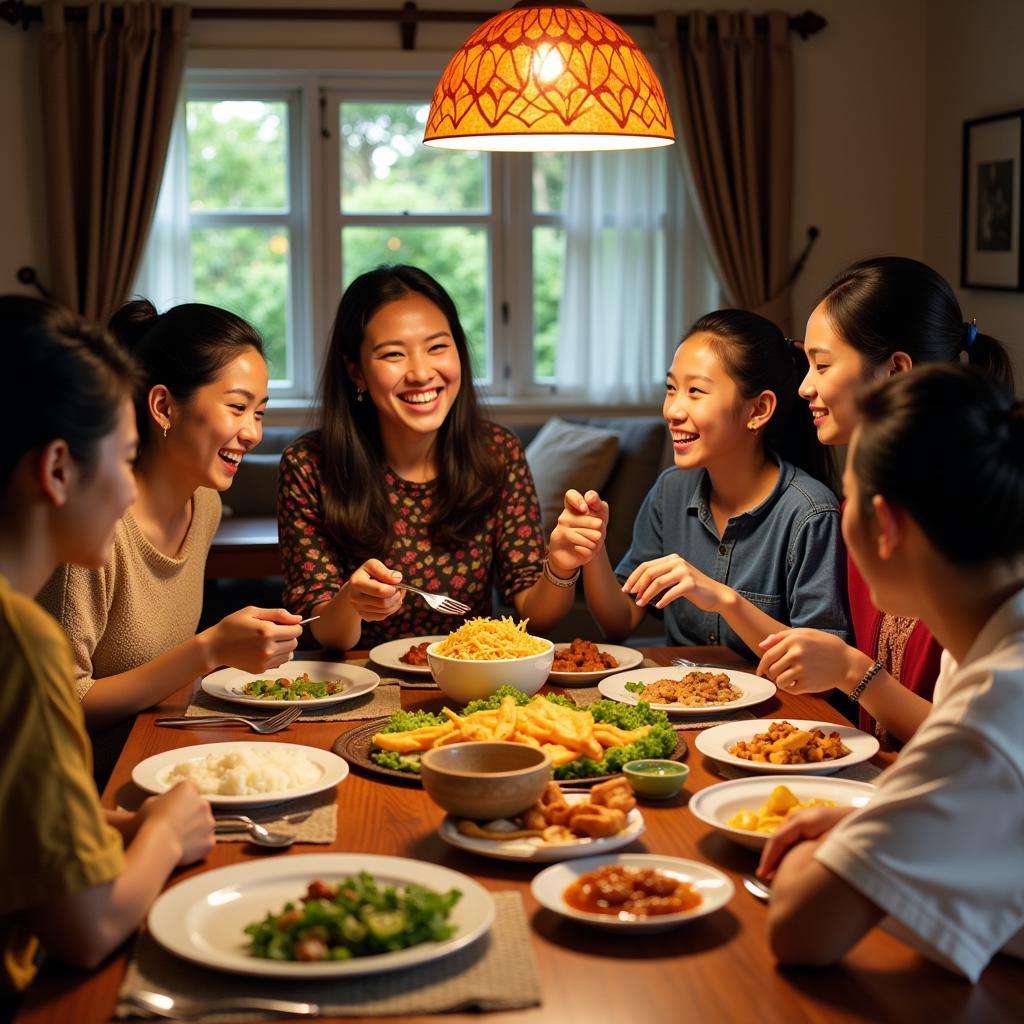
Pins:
x: 700, y: 497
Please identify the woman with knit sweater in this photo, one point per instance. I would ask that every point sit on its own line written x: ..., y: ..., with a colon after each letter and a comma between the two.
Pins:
x: 132, y: 623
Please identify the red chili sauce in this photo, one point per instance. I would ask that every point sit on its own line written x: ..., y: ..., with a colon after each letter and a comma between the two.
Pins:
x: 630, y: 892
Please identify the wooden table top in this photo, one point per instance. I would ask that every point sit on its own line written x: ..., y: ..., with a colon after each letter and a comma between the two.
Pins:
x: 717, y: 969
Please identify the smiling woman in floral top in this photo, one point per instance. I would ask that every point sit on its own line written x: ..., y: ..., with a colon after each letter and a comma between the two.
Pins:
x: 406, y: 482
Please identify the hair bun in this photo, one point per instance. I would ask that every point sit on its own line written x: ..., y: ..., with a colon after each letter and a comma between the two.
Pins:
x: 132, y: 321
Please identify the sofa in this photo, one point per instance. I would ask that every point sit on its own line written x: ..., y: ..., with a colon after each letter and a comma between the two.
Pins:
x: 621, y: 457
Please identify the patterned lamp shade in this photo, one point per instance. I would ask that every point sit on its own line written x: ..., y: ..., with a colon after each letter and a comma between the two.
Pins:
x: 548, y: 77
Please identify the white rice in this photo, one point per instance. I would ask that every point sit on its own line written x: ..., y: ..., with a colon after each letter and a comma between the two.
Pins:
x: 247, y: 772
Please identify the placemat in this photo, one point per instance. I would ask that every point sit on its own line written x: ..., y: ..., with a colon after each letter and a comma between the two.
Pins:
x: 312, y: 819
x: 498, y: 972
x: 385, y: 699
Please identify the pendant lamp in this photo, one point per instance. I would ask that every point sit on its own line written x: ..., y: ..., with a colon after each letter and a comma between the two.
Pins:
x: 553, y: 77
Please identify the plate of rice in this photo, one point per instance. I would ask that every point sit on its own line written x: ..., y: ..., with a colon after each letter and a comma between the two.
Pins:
x: 243, y: 774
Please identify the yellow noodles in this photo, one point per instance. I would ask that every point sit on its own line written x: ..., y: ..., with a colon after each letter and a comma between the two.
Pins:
x: 490, y: 640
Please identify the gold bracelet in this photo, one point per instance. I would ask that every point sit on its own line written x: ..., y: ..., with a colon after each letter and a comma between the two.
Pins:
x: 858, y: 690
x: 558, y: 581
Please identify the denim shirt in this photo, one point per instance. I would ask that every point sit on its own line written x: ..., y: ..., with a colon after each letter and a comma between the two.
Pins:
x: 786, y: 555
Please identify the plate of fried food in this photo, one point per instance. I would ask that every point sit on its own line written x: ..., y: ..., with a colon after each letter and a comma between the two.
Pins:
x: 749, y: 810
x: 404, y: 655
x: 313, y: 683
x: 632, y: 892
x: 787, y: 746
x: 583, y: 662
x: 588, y: 744
x: 559, y: 826
x: 680, y: 690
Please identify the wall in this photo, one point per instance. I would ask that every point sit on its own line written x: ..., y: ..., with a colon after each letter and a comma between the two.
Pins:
x: 974, y: 69
x: 859, y: 113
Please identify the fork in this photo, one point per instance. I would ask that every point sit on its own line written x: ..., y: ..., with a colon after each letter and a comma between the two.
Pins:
x: 439, y: 602
x: 179, y: 1008
x: 261, y: 725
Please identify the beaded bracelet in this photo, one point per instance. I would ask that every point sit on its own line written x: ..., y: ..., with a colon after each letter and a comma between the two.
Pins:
x: 858, y: 690
x: 558, y: 581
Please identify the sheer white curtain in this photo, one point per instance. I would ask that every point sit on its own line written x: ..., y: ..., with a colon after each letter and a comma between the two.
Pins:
x: 165, y: 274
x: 637, y: 273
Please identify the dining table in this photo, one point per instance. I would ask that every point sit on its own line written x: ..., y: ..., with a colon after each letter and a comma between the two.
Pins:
x: 718, y: 968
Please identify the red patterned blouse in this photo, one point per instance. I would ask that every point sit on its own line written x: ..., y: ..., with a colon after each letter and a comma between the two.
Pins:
x: 506, y: 549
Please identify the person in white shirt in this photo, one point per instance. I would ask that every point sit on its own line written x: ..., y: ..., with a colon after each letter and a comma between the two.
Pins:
x: 934, y: 518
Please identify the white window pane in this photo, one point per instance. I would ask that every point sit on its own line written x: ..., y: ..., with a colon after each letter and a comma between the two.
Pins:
x: 548, y: 257
x: 454, y: 256
x: 245, y: 270
x: 386, y: 168
x: 548, y: 180
x: 237, y: 155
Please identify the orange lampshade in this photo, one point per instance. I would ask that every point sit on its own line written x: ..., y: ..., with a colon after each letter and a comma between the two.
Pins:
x: 548, y: 76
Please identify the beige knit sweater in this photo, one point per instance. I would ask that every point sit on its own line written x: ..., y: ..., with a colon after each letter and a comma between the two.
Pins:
x: 140, y: 604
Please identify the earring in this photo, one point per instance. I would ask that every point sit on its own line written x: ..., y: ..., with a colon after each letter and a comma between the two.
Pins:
x: 167, y: 427
x: 751, y: 426
x: 359, y: 394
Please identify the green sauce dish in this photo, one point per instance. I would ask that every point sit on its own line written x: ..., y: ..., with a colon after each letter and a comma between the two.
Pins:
x: 656, y: 779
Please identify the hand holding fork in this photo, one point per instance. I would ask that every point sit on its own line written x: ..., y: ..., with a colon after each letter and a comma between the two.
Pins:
x: 376, y: 592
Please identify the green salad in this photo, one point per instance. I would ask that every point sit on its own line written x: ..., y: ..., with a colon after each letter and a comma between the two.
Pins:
x: 659, y: 742
x: 356, y: 917
x: 299, y: 688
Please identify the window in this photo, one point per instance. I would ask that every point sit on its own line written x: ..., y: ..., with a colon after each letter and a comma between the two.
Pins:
x: 281, y: 188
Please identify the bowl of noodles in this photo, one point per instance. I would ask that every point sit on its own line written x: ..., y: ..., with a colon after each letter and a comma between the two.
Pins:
x: 484, y: 654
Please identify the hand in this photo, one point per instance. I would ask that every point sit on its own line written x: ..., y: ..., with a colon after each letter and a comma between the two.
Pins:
x: 187, y: 815
x: 372, y: 592
x: 810, y: 661
x: 797, y: 828
x: 677, y: 578
x: 255, y: 639
x: 579, y: 533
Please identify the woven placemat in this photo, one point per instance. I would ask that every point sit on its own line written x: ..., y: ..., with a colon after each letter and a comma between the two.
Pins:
x: 498, y: 972
x: 385, y: 700
x: 311, y: 819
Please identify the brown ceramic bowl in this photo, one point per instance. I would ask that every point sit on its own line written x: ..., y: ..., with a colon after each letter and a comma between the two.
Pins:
x: 485, y: 780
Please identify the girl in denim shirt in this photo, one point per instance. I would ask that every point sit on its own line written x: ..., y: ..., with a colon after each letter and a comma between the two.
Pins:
x: 746, y: 515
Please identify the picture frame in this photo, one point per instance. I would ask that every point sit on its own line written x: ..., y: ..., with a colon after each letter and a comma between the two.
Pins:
x: 992, y: 213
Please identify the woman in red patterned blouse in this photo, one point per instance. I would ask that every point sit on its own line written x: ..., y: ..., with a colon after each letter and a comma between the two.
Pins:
x: 405, y: 481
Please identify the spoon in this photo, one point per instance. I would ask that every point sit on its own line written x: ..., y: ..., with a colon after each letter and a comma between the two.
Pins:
x: 163, y: 1005
x: 754, y: 885
x: 257, y: 833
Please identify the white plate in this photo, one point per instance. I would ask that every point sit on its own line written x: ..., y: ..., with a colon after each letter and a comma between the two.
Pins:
x: 151, y: 774
x: 203, y: 918
x: 716, y: 804
x: 715, y: 743
x: 715, y: 889
x: 539, y: 852
x: 228, y: 683
x: 627, y: 657
x: 389, y: 655
x: 755, y: 689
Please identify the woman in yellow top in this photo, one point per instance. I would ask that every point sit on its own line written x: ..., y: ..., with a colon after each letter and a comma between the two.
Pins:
x: 79, y: 878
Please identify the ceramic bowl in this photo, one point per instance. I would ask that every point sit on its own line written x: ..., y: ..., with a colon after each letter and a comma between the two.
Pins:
x: 656, y: 779
x: 485, y: 780
x: 464, y: 680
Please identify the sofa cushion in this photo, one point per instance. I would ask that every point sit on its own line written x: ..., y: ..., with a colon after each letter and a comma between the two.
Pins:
x: 567, y: 455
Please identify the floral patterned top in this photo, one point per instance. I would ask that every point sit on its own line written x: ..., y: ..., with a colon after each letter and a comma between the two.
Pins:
x: 506, y: 549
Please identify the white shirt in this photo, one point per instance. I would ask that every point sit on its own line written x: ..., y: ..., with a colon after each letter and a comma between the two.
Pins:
x: 940, y: 848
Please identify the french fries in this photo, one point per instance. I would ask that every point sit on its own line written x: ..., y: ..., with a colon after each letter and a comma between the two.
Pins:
x: 566, y: 734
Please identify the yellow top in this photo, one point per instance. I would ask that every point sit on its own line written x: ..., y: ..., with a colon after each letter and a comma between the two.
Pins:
x: 56, y: 841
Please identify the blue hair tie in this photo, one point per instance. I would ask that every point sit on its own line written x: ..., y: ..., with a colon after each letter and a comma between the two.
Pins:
x: 972, y: 333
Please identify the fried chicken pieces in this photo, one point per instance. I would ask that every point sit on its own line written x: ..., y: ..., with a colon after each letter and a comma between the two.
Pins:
x: 553, y: 819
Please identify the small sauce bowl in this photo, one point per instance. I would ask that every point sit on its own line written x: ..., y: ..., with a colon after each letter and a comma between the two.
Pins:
x: 656, y: 779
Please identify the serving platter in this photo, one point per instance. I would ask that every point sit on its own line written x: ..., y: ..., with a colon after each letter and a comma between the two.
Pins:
x: 627, y: 657
x: 228, y: 683
x: 203, y: 918
x: 754, y: 689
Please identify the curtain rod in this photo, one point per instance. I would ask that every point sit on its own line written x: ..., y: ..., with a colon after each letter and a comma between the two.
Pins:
x: 408, y: 16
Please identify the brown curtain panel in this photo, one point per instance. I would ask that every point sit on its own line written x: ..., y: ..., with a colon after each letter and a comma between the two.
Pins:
x: 731, y: 92
x: 109, y: 91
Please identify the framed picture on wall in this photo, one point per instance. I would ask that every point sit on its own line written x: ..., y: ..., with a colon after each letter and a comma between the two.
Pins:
x: 992, y: 216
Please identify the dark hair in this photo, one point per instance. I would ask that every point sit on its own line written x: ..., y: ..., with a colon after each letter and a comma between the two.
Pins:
x: 938, y: 427
x: 357, y: 511
x: 183, y: 348
x: 758, y: 357
x: 66, y: 379
x: 894, y: 304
